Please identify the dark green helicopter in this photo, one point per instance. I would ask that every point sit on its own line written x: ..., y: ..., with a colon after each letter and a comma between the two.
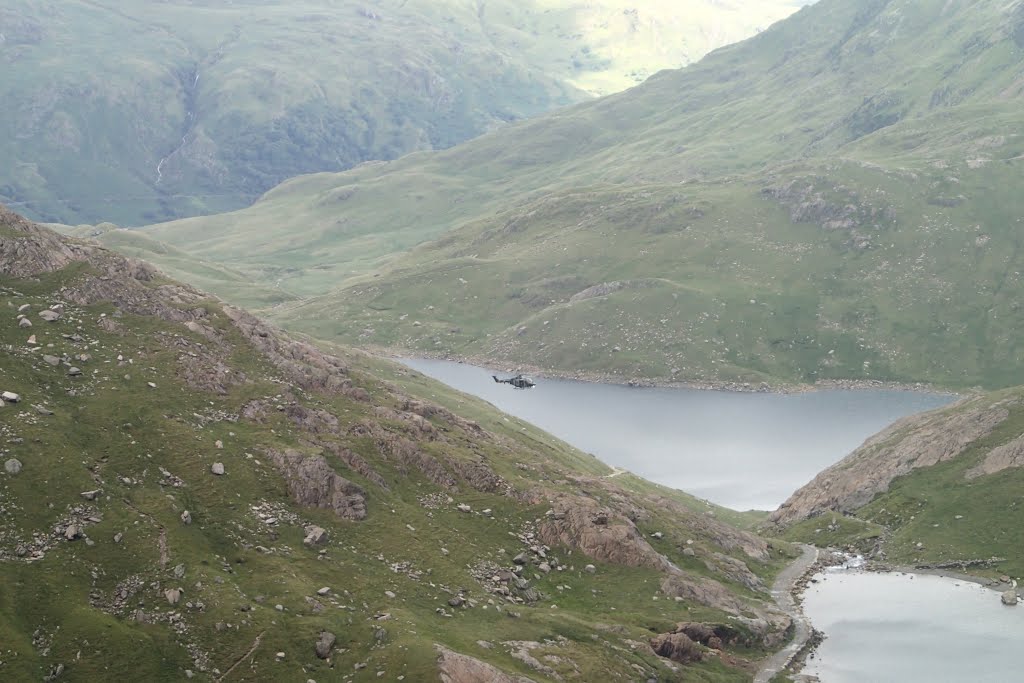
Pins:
x: 519, y: 381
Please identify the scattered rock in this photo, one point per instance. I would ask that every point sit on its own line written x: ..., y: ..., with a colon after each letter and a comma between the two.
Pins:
x: 32, y: 341
x: 74, y: 372
x: 324, y: 645
x: 1009, y: 597
x: 24, y: 307
x: 49, y: 316
x: 173, y: 595
x: 24, y: 322
x: 10, y: 397
x: 464, y: 508
x: 72, y: 532
x: 186, y: 517
x: 315, y: 535
x: 324, y: 591
x: 91, y: 495
x: 590, y: 569
x: 43, y: 410
x: 217, y: 468
x: 12, y: 466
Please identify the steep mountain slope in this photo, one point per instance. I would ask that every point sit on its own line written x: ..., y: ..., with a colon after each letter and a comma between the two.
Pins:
x: 942, y: 488
x: 187, y: 491
x: 833, y: 198
x: 143, y: 110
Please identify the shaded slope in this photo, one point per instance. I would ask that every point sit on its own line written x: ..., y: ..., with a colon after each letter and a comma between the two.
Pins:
x: 833, y: 198
x: 138, y: 111
x: 186, y: 488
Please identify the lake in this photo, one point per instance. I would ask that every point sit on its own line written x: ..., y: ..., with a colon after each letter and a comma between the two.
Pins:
x: 912, y: 628
x: 741, y: 450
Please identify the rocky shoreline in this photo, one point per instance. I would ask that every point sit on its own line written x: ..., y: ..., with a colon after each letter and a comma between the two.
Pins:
x: 647, y: 382
x: 1003, y: 585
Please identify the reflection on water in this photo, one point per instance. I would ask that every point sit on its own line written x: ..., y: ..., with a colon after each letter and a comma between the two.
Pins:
x: 907, y: 628
x: 744, y: 451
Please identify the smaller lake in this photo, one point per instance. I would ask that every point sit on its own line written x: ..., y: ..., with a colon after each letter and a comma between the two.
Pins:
x: 912, y: 628
x: 746, y: 451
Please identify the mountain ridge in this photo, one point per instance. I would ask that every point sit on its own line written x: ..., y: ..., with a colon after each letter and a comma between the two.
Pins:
x: 135, y: 112
x: 793, y: 203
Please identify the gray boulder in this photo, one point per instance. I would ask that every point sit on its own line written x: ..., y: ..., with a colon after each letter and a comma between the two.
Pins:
x: 186, y: 517
x: 315, y: 535
x: 173, y: 595
x: 218, y: 468
x: 10, y: 397
x: 324, y: 645
x: 1009, y: 597
x: 24, y: 323
x: 49, y: 316
x: 12, y: 466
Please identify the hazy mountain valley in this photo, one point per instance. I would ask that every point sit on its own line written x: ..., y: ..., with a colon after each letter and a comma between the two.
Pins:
x: 214, y: 469
x: 140, y: 111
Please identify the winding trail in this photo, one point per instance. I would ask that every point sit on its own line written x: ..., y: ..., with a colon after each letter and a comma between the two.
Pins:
x: 782, y: 592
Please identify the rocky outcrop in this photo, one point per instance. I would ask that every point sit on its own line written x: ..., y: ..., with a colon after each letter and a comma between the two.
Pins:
x: 33, y: 250
x: 312, y: 483
x: 702, y: 591
x: 999, y: 459
x: 678, y: 647
x: 458, y: 668
x: 583, y: 524
x: 911, y: 443
x: 406, y: 455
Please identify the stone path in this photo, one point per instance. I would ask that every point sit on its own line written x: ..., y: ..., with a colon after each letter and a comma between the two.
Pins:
x: 782, y: 592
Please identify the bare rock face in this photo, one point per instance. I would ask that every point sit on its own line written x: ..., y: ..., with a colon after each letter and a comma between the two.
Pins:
x: 911, y: 443
x: 583, y: 524
x: 1000, y: 458
x: 703, y: 591
x: 312, y: 483
x: 458, y: 668
x: 678, y: 647
x: 38, y: 251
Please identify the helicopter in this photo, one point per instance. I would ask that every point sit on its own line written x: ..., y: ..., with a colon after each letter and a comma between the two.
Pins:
x: 519, y: 381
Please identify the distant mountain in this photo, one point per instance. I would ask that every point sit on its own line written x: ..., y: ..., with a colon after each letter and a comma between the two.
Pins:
x: 188, y: 492
x: 940, y: 489
x: 144, y: 110
x: 835, y: 198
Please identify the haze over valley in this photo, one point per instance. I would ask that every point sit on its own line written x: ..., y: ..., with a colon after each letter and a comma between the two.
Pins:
x: 492, y: 341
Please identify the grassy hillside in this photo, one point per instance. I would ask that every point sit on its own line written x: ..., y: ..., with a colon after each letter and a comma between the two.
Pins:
x: 144, y: 110
x: 164, y: 442
x: 833, y: 198
x: 941, y: 489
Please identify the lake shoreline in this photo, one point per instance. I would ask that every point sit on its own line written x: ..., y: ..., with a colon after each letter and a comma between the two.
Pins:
x: 594, y: 377
x: 832, y: 558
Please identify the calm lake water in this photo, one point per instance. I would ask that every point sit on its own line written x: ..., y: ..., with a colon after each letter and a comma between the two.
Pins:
x: 744, y: 451
x: 912, y: 628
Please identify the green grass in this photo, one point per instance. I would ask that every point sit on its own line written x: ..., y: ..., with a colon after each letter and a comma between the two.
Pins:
x: 853, y: 171
x: 236, y: 98
x: 115, y: 427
